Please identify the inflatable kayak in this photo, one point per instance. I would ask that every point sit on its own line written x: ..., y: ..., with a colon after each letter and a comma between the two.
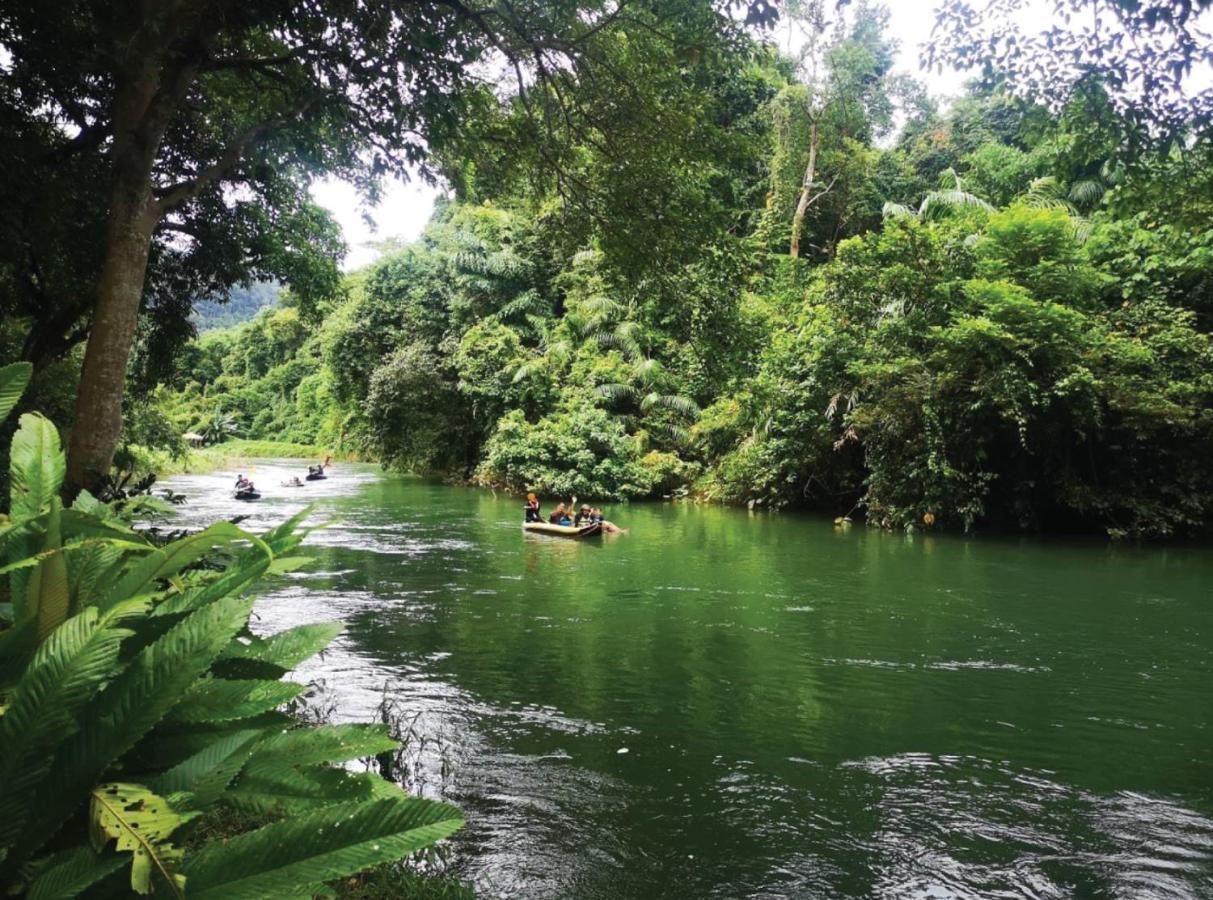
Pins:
x: 564, y: 530
x: 247, y: 495
x: 315, y: 477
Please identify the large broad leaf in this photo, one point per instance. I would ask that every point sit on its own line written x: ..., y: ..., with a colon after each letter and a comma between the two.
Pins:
x: 283, y: 789
x: 170, y: 560
x: 293, y: 857
x: 141, y: 822
x: 220, y: 700
x: 36, y: 467
x: 65, y: 674
x: 46, y: 597
x: 208, y: 772
x: 13, y: 381
x: 286, y: 649
x: 287, y: 536
x: 139, y: 697
x: 324, y: 744
x: 68, y: 873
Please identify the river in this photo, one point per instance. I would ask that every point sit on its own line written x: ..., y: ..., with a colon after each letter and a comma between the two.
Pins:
x: 730, y: 704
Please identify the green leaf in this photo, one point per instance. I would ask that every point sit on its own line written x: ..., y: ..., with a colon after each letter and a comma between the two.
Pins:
x: 283, y: 789
x: 209, y: 771
x: 68, y: 873
x: 65, y: 674
x: 325, y: 744
x: 284, y: 564
x: 13, y: 380
x: 36, y: 466
x: 141, y: 822
x: 292, y: 856
x: 220, y: 700
x: 176, y: 556
x: 286, y: 649
x: 136, y: 699
x: 287, y: 536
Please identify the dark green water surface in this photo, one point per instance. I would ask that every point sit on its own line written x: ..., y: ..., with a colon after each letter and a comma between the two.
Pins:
x: 730, y: 704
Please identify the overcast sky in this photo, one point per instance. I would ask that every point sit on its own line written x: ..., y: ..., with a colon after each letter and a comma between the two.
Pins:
x: 405, y: 208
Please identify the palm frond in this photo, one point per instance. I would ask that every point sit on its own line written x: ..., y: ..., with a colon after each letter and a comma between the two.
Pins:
x: 950, y: 199
x: 615, y: 392
x: 1087, y: 192
x: 684, y: 406
x: 649, y: 371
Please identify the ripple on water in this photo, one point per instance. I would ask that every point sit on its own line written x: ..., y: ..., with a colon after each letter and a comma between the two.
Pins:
x: 948, y: 826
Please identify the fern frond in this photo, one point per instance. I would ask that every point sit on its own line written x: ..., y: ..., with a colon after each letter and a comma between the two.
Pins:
x: 170, y: 560
x: 286, y: 649
x: 1087, y: 192
x: 283, y: 789
x: 325, y: 744
x: 649, y: 370
x: 66, y: 673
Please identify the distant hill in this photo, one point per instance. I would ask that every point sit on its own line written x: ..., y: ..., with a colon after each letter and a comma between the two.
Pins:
x: 245, y: 303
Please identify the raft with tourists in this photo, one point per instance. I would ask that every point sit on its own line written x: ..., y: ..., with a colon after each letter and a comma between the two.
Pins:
x: 566, y: 521
x: 573, y: 531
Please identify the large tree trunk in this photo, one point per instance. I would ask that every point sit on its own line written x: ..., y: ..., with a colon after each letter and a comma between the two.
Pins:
x: 142, y: 108
x: 97, y: 424
x: 806, y: 192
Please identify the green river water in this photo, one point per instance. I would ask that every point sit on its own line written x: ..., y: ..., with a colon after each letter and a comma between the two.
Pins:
x: 733, y: 704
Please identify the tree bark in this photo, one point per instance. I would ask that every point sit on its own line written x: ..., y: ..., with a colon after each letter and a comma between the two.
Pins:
x: 143, y: 106
x: 802, y: 204
x: 97, y: 423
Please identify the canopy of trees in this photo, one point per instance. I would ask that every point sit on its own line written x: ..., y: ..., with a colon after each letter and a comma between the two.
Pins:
x: 790, y: 281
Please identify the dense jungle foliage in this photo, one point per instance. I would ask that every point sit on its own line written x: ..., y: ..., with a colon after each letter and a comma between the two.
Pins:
x: 793, y: 281
x: 994, y: 318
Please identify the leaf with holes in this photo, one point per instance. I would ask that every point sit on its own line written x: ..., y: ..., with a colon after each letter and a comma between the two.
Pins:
x: 141, y: 822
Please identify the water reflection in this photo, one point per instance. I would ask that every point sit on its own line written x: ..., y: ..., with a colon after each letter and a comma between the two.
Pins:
x: 804, y: 713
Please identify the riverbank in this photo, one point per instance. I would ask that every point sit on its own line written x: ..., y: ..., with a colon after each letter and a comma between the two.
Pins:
x: 229, y: 454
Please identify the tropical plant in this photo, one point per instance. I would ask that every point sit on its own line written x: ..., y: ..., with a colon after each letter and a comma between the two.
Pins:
x: 220, y: 426
x: 135, y: 703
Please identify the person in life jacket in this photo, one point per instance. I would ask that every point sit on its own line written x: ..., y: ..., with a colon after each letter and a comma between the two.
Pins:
x: 532, y: 509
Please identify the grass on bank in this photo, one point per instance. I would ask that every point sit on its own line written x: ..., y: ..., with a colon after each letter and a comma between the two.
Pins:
x: 225, y: 455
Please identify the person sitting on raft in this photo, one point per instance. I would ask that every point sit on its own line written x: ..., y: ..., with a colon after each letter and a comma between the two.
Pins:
x: 532, y: 509
x: 560, y: 516
x: 243, y: 484
x: 583, y: 516
x: 608, y: 527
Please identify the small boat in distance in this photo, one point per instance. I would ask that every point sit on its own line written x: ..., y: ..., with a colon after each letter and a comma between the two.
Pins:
x: 572, y: 531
